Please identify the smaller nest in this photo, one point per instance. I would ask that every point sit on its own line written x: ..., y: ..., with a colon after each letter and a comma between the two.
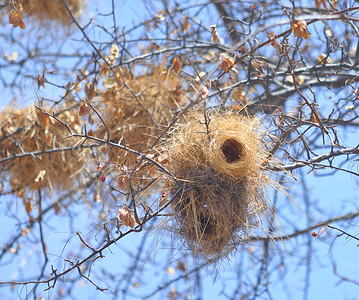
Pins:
x: 54, y: 10
x: 136, y: 114
x: 220, y: 166
x: 140, y: 112
x: 28, y: 130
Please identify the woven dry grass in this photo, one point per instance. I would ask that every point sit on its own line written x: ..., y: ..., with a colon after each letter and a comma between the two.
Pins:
x: 29, y: 131
x: 136, y: 110
x: 55, y: 10
x: 221, y: 167
x: 139, y: 111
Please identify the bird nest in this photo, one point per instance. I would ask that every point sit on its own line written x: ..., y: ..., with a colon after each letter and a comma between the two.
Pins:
x: 54, y: 10
x: 219, y: 163
x: 36, y: 140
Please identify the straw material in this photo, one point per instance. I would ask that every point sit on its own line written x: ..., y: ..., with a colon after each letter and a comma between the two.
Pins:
x: 29, y: 130
x: 137, y: 109
x: 50, y: 9
x: 220, y: 166
x: 139, y: 112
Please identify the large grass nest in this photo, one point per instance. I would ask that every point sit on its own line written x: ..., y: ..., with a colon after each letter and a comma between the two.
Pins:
x: 50, y: 10
x: 220, y: 164
x: 28, y: 130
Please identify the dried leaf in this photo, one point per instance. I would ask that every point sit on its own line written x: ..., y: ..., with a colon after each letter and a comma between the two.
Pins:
x: 227, y: 64
x: 84, y: 109
x: 281, y: 121
x: 89, y: 90
x: 126, y: 218
x: 104, y: 69
x: 186, y: 25
x: 314, y: 118
x: 40, y: 81
x: 318, y: 3
x: 122, y: 215
x: 299, y: 79
x: 121, y: 182
x: 272, y: 37
x: 28, y: 206
x: 181, y: 266
x: 334, y: 3
x: 323, y: 59
x: 299, y: 28
x: 15, y: 18
x: 214, y: 33
x: 131, y: 221
x: 176, y: 65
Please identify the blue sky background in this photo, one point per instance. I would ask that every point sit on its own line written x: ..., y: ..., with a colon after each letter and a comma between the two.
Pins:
x: 332, y: 195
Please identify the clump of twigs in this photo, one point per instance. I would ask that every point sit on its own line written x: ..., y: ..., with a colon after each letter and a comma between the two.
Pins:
x: 219, y: 161
x: 37, y: 155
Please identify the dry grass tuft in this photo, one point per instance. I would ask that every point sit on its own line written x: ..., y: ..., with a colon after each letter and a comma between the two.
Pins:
x: 28, y: 131
x: 53, y: 10
x: 220, y: 164
x: 141, y: 110
x: 136, y: 109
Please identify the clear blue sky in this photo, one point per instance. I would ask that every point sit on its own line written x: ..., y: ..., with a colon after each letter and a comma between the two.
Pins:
x: 334, y: 194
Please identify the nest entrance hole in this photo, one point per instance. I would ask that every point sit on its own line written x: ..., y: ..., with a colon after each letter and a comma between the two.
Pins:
x: 232, y: 150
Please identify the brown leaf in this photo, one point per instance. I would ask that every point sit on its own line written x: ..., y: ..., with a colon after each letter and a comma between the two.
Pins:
x: 15, y: 18
x: 28, y: 206
x: 90, y: 90
x: 40, y: 81
x: 227, y: 64
x: 273, y: 42
x: 176, y: 65
x: 323, y: 59
x: 126, y: 218
x: 186, y: 25
x: 299, y: 28
x: 84, y: 109
x: 131, y: 221
x: 334, y: 3
x: 104, y: 69
x: 77, y: 87
x: 214, y: 33
x: 314, y: 118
